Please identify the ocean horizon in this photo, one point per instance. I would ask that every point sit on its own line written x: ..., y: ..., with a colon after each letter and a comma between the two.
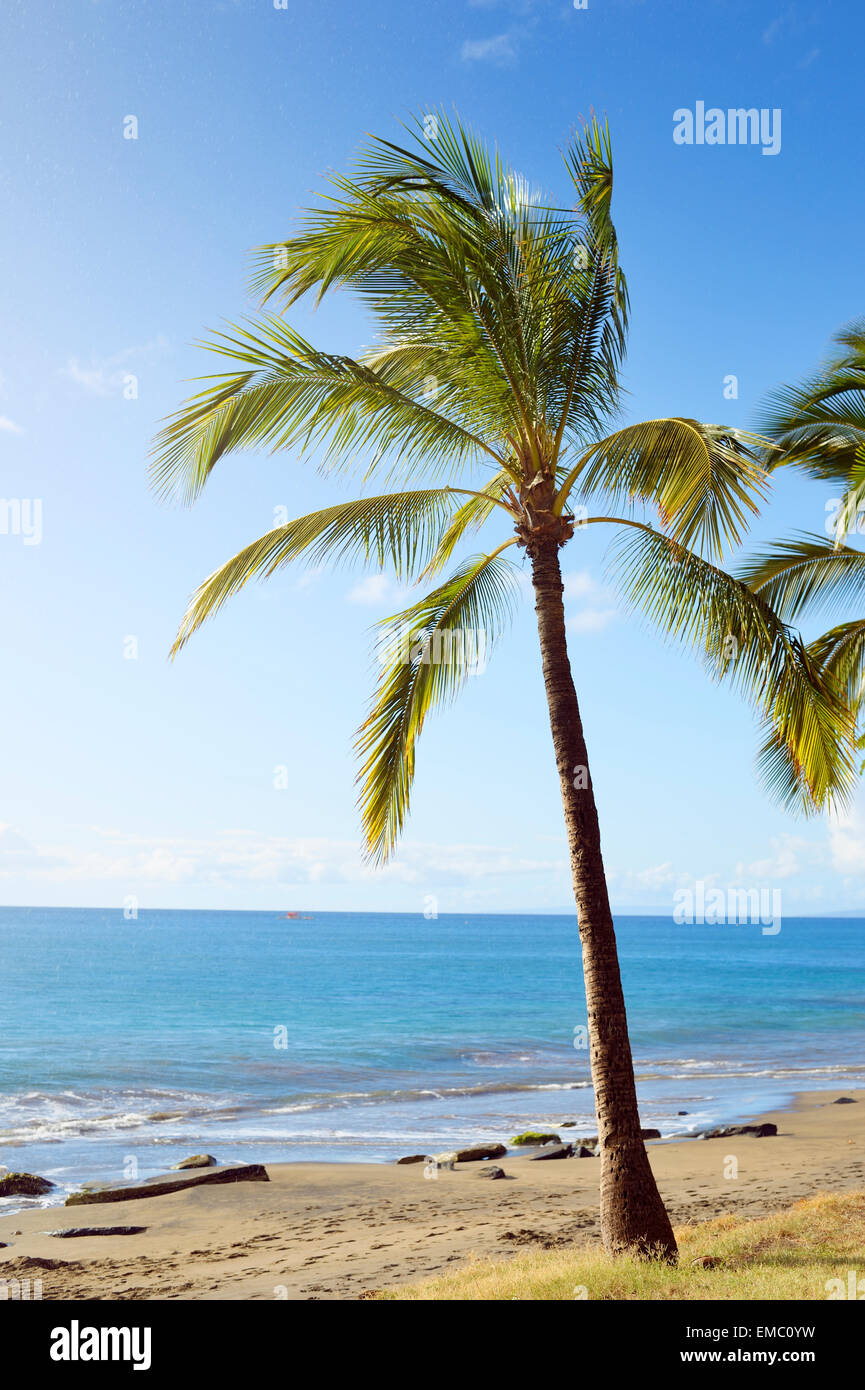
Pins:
x: 131, y: 1044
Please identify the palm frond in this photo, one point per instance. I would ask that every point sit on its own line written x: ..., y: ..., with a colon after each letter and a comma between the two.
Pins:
x: 426, y: 657
x: 848, y: 516
x: 287, y: 394
x: 589, y: 161
x: 804, y: 572
x: 468, y: 518
x: 807, y: 757
x: 704, y: 480
x: 398, y: 530
x: 841, y: 654
x: 819, y: 425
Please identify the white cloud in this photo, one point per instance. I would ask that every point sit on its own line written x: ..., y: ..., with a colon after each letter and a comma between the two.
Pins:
x: 847, y: 844
x: 785, y: 20
x: 790, y: 855
x: 600, y: 608
x: 377, y: 589
x: 791, y: 23
x: 373, y: 588
x: 94, y: 380
x: 105, y: 863
x: 591, y: 620
x: 17, y: 855
x: 578, y: 584
x: 658, y: 877
x: 105, y: 376
x: 239, y: 856
x: 8, y: 426
x: 308, y: 577
x: 499, y: 49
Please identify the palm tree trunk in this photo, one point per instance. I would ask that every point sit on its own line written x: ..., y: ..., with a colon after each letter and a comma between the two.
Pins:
x: 632, y: 1213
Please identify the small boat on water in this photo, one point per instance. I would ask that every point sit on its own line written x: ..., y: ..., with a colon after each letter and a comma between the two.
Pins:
x: 303, y: 917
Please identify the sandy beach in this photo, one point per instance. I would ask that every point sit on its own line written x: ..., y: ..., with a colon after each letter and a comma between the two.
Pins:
x: 338, y: 1231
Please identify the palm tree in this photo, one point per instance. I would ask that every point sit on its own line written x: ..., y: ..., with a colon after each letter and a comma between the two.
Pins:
x: 819, y: 427
x: 501, y: 324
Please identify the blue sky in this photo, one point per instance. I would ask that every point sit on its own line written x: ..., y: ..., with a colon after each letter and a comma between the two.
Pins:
x: 129, y: 777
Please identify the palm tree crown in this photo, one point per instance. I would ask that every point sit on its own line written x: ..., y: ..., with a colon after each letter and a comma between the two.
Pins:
x: 501, y: 325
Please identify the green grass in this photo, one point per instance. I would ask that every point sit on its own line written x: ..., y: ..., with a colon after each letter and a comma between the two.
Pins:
x: 790, y: 1255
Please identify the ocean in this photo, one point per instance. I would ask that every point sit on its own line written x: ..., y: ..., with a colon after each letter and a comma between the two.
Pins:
x: 128, y: 1045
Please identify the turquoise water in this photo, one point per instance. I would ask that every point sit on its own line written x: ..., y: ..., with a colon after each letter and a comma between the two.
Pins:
x: 366, y: 1036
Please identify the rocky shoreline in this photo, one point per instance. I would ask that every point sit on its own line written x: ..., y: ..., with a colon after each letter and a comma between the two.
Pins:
x: 203, y: 1169
x: 543, y: 1146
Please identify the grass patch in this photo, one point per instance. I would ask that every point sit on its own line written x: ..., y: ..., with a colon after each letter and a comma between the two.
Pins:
x: 789, y: 1255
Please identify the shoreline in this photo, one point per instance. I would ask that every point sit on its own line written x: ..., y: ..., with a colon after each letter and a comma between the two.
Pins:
x: 322, y: 1230
x: 104, y: 1166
